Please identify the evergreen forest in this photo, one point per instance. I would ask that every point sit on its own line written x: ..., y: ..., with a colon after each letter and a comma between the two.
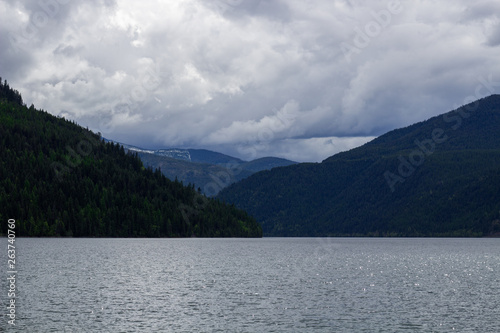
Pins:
x: 59, y: 179
x: 439, y: 177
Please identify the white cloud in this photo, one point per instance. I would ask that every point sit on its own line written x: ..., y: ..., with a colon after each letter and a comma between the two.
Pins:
x: 222, y: 74
x: 268, y: 128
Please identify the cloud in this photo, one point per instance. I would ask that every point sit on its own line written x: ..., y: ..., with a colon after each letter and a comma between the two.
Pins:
x: 485, y: 14
x: 302, y: 150
x: 265, y: 129
x: 248, y: 77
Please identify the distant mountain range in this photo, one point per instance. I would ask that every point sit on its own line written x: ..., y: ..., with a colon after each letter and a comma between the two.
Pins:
x: 59, y: 179
x: 440, y: 177
x: 208, y: 170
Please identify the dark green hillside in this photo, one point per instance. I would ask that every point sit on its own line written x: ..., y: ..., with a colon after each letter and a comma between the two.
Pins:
x: 266, y: 163
x: 207, y: 170
x: 210, y: 178
x: 440, y: 177
x: 211, y: 157
x: 58, y: 179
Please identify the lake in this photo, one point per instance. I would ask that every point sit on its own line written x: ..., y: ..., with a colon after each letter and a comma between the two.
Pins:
x: 255, y: 285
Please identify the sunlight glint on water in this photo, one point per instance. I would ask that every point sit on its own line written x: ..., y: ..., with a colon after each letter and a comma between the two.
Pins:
x: 257, y: 285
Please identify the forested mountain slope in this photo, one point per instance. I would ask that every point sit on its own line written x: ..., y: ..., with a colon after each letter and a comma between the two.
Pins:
x: 59, y: 179
x: 440, y: 177
x: 207, y: 170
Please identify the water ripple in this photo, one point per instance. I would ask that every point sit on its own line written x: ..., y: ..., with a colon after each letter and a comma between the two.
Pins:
x: 262, y: 285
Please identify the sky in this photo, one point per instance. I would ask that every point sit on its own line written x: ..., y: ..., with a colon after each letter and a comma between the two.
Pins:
x: 297, y: 79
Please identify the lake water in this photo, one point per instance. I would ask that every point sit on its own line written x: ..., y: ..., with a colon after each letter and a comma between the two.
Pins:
x: 255, y: 285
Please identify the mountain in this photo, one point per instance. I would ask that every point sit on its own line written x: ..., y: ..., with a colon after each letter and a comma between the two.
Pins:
x: 211, y: 157
x: 59, y: 179
x: 266, y: 163
x: 440, y: 177
x: 190, y: 155
x: 207, y: 170
x: 209, y: 178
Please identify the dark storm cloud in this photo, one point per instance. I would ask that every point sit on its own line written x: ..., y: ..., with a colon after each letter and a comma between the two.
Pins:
x: 295, y: 79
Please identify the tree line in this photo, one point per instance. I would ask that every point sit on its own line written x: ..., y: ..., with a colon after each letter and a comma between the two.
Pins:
x: 59, y: 179
x: 451, y: 187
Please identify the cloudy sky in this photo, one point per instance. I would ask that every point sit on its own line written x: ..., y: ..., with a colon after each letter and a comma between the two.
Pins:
x: 300, y: 79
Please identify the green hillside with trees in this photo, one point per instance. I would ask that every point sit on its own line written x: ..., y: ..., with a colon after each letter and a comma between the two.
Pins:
x: 209, y: 171
x: 59, y: 179
x: 440, y: 177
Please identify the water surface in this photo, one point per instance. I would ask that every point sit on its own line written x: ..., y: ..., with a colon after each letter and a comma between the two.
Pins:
x: 256, y: 285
